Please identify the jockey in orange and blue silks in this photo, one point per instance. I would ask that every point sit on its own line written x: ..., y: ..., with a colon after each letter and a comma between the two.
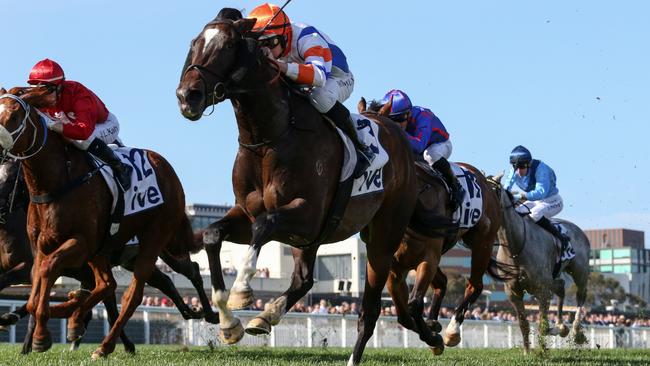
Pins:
x: 80, y: 116
x: 309, y: 57
x: 428, y: 137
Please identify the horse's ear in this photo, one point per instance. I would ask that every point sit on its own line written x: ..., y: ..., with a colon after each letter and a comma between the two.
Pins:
x: 385, y: 110
x: 3, y: 90
x: 245, y: 25
x: 498, y: 177
x: 34, y: 95
x: 361, y: 106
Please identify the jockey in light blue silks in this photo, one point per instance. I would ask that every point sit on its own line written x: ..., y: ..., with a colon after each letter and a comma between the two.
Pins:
x: 428, y: 137
x: 539, y: 194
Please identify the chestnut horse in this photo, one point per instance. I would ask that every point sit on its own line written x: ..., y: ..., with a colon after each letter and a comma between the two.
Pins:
x: 423, y: 254
x: 285, y: 178
x: 16, y: 261
x: 71, y: 230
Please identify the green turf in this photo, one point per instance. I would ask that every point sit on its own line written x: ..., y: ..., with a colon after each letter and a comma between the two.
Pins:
x: 238, y: 356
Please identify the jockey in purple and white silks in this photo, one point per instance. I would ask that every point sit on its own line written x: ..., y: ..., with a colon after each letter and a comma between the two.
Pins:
x: 428, y: 137
x: 539, y: 194
x: 309, y: 57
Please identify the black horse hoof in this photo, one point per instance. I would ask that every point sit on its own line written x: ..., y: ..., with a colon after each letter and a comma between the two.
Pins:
x: 129, y: 348
x: 9, y: 319
x: 42, y: 345
x: 211, y: 318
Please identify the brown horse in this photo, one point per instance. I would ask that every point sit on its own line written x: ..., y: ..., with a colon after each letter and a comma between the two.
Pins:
x: 286, y: 175
x: 71, y: 229
x: 423, y: 254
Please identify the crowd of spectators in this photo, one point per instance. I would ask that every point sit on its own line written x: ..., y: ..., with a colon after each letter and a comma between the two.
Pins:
x: 477, y: 313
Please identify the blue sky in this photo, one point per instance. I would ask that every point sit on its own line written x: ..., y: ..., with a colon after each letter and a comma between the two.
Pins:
x: 569, y: 80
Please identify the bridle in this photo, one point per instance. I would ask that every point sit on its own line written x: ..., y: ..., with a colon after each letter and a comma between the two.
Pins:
x: 8, y: 139
x: 227, y: 85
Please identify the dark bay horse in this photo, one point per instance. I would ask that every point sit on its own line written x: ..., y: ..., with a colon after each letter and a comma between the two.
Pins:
x: 285, y: 177
x: 70, y: 231
x: 15, y: 253
x: 423, y: 253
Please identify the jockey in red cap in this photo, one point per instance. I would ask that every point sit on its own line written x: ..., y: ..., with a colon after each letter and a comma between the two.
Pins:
x: 80, y: 116
x: 309, y: 57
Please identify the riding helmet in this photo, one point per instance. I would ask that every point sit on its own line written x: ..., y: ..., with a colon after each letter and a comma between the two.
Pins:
x: 46, y: 72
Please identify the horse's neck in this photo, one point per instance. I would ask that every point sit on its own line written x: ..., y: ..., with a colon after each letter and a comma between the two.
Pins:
x: 262, y: 115
x: 47, y: 171
x: 514, y: 231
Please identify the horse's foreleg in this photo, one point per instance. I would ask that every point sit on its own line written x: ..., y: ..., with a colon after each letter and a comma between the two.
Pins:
x: 11, y: 318
x: 439, y: 286
x: 516, y: 298
x: 302, y: 280
x: 69, y: 254
x: 105, y: 285
x: 144, y: 266
x: 236, y: 227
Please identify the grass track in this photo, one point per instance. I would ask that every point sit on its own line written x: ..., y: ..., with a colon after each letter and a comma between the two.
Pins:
x: 245, y: 356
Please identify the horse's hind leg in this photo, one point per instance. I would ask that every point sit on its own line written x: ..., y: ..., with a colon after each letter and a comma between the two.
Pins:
x: 191, y: 271
x: 481, y: 252
x: 302, y: 280
x: 560, y: 328
x: 439, y: 286
x: 11, y: 318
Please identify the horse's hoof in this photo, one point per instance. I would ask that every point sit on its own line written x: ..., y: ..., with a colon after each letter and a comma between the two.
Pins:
x: 42, y: 345
x: 97, y: 354
x: 580, y: 338
x: 9, y: 319
x: 437, y: 351
x: 129, y: 348
x: 233, y: 334
x: 240, y: 300
x: 564, y: 330
x: 434, y: 325
x: 452, y: 340
x: 76, y: 333
x: 258, y: 326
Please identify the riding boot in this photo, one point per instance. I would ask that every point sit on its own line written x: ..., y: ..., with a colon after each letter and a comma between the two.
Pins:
x: 548, y: 226
x: 341, y: 118
x: 104, y: 153
x: 457, y: 190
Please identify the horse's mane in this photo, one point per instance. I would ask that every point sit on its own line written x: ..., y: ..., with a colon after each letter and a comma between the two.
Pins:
x: 374, y: 106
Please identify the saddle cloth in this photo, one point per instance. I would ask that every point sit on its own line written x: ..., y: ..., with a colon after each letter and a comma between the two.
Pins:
x: 568, y: 252
x: 144, y: 193
x: 471, y: 209
x: 372, y: 180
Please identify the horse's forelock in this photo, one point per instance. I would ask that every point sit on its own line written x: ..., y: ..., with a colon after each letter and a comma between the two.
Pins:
x: 374, y: 105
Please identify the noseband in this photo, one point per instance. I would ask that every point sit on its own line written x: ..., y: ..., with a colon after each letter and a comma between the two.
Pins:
x: 15, y: 135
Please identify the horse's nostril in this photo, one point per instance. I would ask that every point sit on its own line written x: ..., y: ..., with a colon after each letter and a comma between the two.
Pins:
x: 194, y: 96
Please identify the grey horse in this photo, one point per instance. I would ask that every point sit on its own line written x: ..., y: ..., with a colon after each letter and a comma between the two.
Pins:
x: 527, y: 256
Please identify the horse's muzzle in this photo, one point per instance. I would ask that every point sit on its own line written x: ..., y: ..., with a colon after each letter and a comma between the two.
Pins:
x: 191, y: 102
x: 6, y: 140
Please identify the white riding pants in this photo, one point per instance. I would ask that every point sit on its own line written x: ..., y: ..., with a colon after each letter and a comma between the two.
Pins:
x: 547, y: 207
x: 434, y: 152
x: 338, y: 87
x: 107, y: 131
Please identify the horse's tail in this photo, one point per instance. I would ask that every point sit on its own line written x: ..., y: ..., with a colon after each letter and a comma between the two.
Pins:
x: 186, y: 239
x: 502, y: 271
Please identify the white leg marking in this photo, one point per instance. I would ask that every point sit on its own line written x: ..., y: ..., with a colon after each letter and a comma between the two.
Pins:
x: 220, y: 299
x: 246, y: 272
x: 452, y: 328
